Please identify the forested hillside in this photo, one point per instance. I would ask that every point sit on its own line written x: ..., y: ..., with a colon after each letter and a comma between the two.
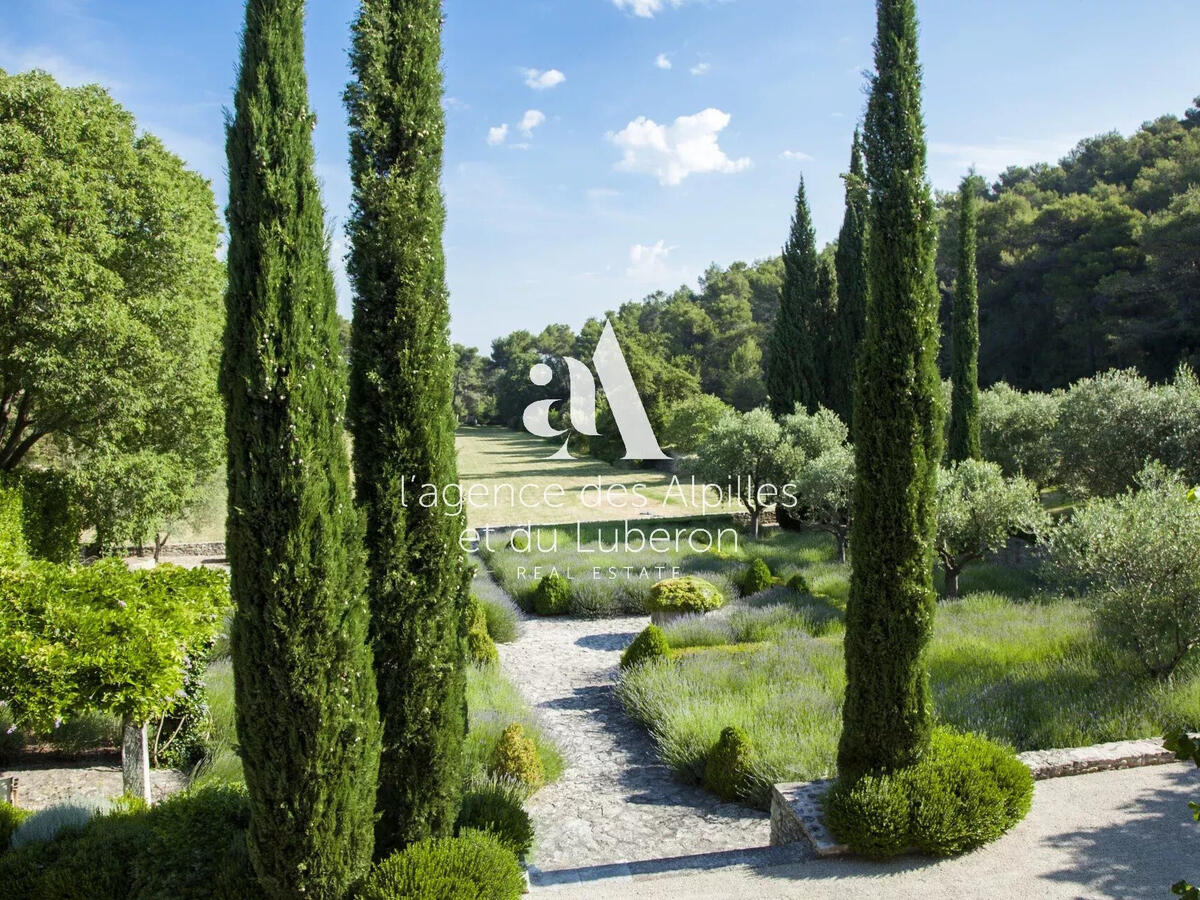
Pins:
x: 1085, y: 265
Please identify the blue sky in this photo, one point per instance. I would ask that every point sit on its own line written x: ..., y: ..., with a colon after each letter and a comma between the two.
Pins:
x: 659, y: 135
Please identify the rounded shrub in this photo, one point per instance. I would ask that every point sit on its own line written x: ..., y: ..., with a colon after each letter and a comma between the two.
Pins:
x: 965, y: 792
x: 728, y: 770
x: 687, y: 594
x: 799, y: 584
x: 499, y: 813
x: 515, y: 757
x: 10, y: 817
x: 47, y: 824
x: 519, y: 542
x: 552, y: 595
x: 757, y: 577
x: 650, y: 644
x: 472, y: 865
x: 481, y: 649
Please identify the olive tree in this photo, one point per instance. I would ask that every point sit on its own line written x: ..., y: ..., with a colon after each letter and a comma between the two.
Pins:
x: 1134, y: 559
x: 823, y: 492
x: 747, y: 453
x: 978, y: 511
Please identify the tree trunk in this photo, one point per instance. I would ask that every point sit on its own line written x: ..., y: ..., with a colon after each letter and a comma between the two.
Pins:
x: 755, y: 515
x: 160, y: 541
x: 952, y: 582
x: 841, y: 546
x: 135, y: 761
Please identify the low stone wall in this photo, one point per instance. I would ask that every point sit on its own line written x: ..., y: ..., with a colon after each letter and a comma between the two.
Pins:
x: 796, y: 806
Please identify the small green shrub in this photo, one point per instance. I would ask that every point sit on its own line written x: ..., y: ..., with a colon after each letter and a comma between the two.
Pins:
x: 52, y: 517
x: 650, y: 644
x: 728, y: 773
x: 47, y: 824
x: 519, y: 541
x: 965, y: 792
x: 10, y: 817
x: 498, y: 812
x: 13, y: 549
x: 501, y: 619
x: 515, y: 756
x: 799, y: 584
x: 472, y: 866
x: 552, y: 595
x: 688, y: 594
x: 757, y: 577
x: 481, y: 650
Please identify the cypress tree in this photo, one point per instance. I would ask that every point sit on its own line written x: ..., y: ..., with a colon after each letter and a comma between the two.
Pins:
x: 964, y: 347
x: 791, y: 370
x: 401, y: 410
x: 851, y: 261
x: 307, y: 723
x: 824, y: 326
x: 898, y: 423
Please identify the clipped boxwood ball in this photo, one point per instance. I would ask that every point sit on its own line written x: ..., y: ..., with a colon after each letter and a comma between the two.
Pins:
x: 474, y: 864
x: 515, y: 757
x: 481, y: 649
x: 687, y: 594
x: 757, y: 577
x: 727, y: 772
x: 650, y: 644
x: 799, y: 584
x: 500, y: 814
x: 552, y: 595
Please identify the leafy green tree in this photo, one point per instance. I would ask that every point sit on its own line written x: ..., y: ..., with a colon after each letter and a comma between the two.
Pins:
x: 111, y: 305
x: 402, y: 415
x: 791, y: 370
x: 964, y: 440
x: 851, y: 263
x: 823, y: 489
x: 746, y: 453
x: 898, y: 422
x: 1017, y: 431
x: 812, y: 434
x: 307, y: 723
x: 689, y: 422
x: 1134, y: 558
x: 978, y: 511
x: 474, y: 401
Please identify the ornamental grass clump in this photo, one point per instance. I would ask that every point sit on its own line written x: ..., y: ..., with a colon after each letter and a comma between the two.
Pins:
x: 964, y: 793
x: 515, y: 756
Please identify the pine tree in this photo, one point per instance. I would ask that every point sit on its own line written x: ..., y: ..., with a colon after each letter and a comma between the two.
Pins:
x: 401, y: 409
x: 791, y: 371
x: 964, y: 367
x: 898, y: 426
x: 851, y: 259
x: 307, y: 722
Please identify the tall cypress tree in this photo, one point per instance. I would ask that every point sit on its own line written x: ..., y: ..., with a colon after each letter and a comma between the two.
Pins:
x: 791, y: 369
x: 401, y: 402
x: 824, y: 327
x: 898, y: 426
x: 851, y: 260
x: 307, y: 722
x: 964, y: 347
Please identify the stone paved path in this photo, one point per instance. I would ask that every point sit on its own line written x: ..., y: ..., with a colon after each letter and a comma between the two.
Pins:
x: 45, y: 784
x: 616, y: 802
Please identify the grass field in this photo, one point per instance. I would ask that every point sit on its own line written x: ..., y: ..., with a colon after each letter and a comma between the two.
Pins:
x: 507, y: 479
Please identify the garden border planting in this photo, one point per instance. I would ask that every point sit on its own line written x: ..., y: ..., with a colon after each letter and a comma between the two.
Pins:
x: 796, y: 807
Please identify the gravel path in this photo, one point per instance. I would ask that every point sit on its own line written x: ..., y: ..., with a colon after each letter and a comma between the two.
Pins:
x: 616, y: 802
x: 45, y: 784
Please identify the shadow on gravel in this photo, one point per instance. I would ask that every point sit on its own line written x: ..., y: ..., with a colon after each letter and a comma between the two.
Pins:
x: 613, y: 641
x: 755, y: 857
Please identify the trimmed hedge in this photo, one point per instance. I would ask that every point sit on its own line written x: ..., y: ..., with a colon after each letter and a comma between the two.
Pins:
x: 515, y: 757
x: 687, y: 594
x: 650, y: 644
x: 552, y: 595
x: 472, y: 866
x: 757, y: 577
x: 498, y: 812
x: 965, y: 792
x: 728, y: 771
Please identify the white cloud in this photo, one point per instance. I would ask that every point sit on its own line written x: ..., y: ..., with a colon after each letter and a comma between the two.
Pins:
x: 531, y: 120
x: 701, y: 68
x: 673, y: 152
x: 454, y: 103
x: 648, y: 262
x: 646, y: 9
x: 497, y: 135
x: 542, y: 81
x: 662, y: 61
x: 65, y: 69
x: 795, y: 155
